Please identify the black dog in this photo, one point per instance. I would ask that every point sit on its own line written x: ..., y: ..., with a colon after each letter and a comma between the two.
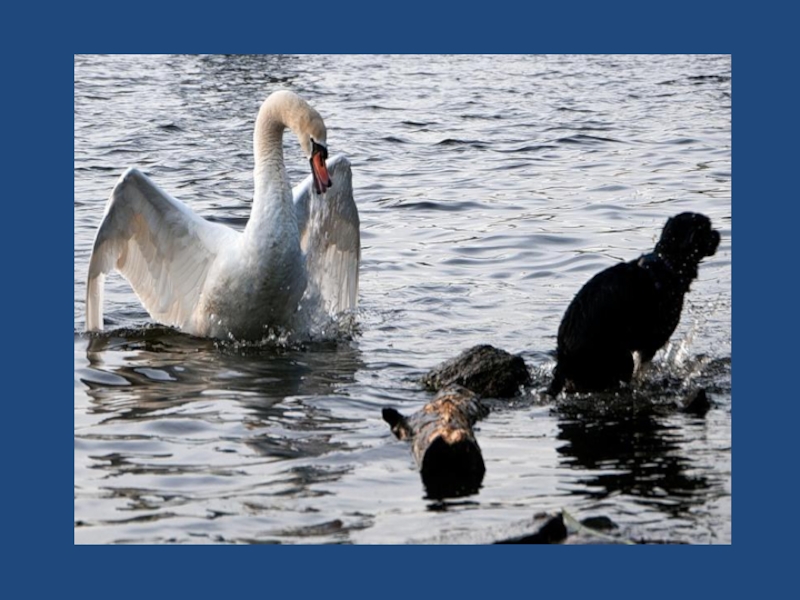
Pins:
x: 630, y: 307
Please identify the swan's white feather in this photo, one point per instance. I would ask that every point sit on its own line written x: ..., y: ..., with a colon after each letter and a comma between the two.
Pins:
x: 330, y: 237
x: 160, y: 246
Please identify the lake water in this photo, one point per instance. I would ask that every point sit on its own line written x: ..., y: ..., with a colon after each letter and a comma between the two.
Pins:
x: 490, y: 188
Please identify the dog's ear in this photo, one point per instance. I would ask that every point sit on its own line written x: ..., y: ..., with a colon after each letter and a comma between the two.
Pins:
x: 675, y: 236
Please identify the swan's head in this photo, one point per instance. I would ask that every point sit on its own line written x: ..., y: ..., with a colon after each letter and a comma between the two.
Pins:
x: 319, y: 169
x: 313, y: 135
x: 284, y: 108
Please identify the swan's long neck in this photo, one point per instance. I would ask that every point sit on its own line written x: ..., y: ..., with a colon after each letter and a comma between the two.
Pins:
x: 272, y: 199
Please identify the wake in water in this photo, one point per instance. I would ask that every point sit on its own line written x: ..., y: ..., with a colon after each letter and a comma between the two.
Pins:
x: 676, y: 372
x: 310, y: 329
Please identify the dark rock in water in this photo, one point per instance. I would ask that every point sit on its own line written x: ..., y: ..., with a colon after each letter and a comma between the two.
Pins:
x: 488, y: 371
x: 562, y: 528
x: 551, y: 531
x: 443, y: 442
x: 599, y: 523
x: 696, y: 403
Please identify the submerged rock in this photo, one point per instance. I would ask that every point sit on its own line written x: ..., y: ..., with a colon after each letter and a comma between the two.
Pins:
x: 550, y: 530
x: 488, y: 371
x: 600, y: 523
x: 562, y: 528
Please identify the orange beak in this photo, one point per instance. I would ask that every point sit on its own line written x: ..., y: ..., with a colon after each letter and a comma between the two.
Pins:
x: 319, y: 170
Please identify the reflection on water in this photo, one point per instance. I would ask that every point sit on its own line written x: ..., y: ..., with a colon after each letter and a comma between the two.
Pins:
x: 633, y: 454
x: 159, y: 371
x: 156, y: 354
x: 154, y: 395
x: 484, y: 207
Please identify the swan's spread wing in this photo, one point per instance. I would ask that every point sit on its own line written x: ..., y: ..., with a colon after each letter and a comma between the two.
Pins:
x: 161, y: 247
x: 329, y: 236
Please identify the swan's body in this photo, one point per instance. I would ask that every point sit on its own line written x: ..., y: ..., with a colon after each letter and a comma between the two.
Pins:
x: 213, y: 281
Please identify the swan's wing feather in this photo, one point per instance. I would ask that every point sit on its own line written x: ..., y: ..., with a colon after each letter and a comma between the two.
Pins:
x: 159, y: 245
x: 330, y: 236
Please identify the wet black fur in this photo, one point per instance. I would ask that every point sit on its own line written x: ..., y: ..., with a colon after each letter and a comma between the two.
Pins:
x: 632, y: 306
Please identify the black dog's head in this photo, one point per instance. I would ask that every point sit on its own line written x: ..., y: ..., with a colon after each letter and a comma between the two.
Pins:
x: 687, y: 238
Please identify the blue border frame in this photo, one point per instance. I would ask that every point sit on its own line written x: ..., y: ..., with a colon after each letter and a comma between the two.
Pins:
x: 38, y: 78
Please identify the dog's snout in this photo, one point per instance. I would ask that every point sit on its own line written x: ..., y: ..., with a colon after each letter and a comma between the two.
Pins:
x: 713, y: 242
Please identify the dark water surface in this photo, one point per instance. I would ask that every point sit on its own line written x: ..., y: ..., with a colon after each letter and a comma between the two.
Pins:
x: 489, y: 189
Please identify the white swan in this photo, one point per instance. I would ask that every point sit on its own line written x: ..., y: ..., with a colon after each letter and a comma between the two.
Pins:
x: 212, y: 281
